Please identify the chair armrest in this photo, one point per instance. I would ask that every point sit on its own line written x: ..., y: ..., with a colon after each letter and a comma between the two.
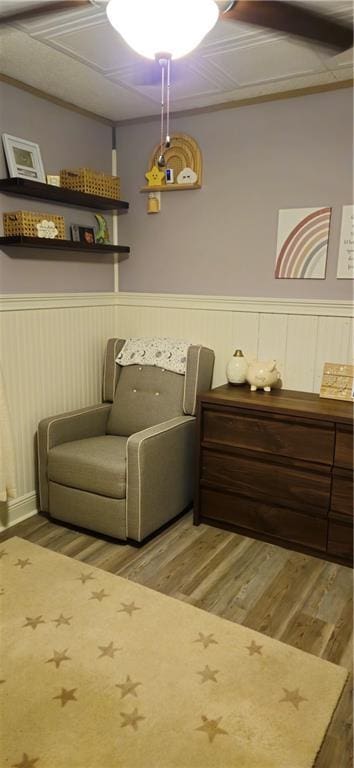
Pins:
x: 160, y: 474
x: 63, y: 428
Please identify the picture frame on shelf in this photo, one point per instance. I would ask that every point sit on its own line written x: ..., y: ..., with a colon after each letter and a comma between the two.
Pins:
x: 74, y: 233
x: 54, y: 180
x: 83, y: 234
x: 23, y: 158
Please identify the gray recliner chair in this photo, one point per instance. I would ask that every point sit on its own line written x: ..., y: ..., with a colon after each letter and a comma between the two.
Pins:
x: 125, y: 467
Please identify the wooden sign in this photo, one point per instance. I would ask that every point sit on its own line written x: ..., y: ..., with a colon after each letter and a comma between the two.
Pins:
x: 338, y: 381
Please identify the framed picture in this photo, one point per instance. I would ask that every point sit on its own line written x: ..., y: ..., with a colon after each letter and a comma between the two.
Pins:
x: 82, y: 234
x: 74, y: 231
x: 23, y: 158
x: 53, y: 180
x: 302, y: 243
x: 87, y: 235
x: 345, y: 265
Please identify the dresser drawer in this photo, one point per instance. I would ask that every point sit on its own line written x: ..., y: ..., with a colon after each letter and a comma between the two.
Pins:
x: 342, y: 492
x: 298, y: 439
x: 294, y: 487
x: 343, y: 456
x: 340, y: 541
x: 256, y: 517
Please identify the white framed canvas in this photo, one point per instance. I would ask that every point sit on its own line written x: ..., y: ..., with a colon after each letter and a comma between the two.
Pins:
x: 302, y: 243
x: 345, y: 265
x: 23, y: 158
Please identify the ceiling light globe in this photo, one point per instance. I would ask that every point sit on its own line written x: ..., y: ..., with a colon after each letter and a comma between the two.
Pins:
x: 151, y: 27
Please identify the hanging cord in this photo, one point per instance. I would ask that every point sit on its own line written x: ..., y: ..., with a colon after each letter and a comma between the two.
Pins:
x: 162, y: 64
x: 168, y: 140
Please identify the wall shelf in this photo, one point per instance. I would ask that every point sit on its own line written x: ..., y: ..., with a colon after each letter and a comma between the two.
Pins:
x: 39, y: 191
x: 21, y: 241
x: 170, y: 187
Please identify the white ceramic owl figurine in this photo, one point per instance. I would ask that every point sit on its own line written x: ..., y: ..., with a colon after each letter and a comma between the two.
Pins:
x: 236, y: 368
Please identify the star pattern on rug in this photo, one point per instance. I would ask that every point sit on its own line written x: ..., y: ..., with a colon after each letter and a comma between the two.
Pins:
x: 66, y: 695
x: 129, y: 608
x: 99, y: 595
x: 108, y: 650
x: 128, y: 687
x: 254, y: 648
x: 22, y: 564
x: 58, y: 657
x: 33, y: 622
x: 84, y: 577
x: 208, y: 674
x: 206, y: 640
x: 211, y: 728
x: 293, y: 697
x: 132, y: 719
x: 62, y: 620
x: 26, y: 762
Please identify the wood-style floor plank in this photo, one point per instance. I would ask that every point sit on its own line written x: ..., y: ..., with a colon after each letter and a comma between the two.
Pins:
x: 301, y: 600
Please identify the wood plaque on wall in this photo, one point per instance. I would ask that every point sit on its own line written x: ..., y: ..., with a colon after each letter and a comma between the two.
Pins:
x: 338, y: 381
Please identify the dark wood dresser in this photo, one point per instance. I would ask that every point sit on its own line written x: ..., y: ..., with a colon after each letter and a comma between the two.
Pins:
x: 277, y: 466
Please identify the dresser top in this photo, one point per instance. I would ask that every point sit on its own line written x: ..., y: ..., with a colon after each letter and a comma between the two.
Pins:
x: 284, y: 401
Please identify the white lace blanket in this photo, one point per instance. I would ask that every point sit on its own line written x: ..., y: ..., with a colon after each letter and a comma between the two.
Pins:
x: 170, y: 354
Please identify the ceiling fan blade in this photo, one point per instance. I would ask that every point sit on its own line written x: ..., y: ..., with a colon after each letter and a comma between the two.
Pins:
x: 44, y: 10
x: 292, y: 19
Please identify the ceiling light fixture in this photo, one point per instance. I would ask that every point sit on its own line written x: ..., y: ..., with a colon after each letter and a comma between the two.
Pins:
x: 155, y: 27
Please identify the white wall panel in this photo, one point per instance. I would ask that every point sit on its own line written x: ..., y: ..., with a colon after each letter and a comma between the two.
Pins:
x: 272, y: 335
x: 52, y: 357
x: 300, y: 360
x: 333, y: 341
x: 52, y: 362
x: 245, y: 332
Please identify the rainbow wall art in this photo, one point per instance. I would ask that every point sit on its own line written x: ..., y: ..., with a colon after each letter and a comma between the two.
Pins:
x: 302, y: 243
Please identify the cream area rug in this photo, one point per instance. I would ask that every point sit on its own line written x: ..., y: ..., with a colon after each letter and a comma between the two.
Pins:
x: 100, y: 672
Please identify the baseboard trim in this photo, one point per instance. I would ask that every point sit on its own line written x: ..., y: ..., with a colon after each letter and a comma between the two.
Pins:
x: 17, y: 510
x: 318, y: 307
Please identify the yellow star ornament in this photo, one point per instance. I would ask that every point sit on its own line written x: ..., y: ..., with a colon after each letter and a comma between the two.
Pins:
x: 154, y: 177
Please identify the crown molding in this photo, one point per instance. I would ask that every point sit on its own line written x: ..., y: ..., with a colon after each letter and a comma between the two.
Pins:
x: 236, y: 103
x: 55, y: 100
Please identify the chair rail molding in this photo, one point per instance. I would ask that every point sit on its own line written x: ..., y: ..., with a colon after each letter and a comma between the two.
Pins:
x: 320, y: 307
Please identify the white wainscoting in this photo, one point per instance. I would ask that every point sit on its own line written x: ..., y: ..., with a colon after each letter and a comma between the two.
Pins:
x: 52, y: 350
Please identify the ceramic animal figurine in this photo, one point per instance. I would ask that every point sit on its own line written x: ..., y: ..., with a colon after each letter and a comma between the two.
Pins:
x: 262, y: 375
x: 102, y: 235
x: 236, y: 369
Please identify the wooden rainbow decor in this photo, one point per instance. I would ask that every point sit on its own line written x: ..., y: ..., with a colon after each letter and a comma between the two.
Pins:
x: 302, y: 243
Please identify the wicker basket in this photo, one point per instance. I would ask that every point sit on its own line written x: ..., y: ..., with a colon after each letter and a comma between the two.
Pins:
x: 91, y: 182
x: 25, y: 223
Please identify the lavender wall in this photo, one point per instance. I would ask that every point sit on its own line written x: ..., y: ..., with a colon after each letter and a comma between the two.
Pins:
x: 257, y: 159
x: 66, y: 140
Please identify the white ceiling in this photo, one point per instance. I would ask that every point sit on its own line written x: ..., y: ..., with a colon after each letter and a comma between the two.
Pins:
x: 78, y: 57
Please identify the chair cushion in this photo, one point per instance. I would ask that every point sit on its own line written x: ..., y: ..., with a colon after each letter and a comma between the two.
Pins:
x: 96, y: 464
x: 145, y: 396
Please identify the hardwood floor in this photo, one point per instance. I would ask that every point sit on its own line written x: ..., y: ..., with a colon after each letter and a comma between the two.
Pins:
x: 301, y: 600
